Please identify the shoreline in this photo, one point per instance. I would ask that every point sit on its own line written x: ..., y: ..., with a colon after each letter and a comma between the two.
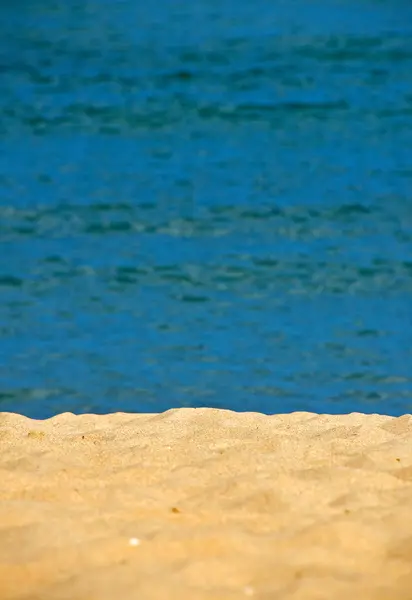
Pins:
x: 205, y: 504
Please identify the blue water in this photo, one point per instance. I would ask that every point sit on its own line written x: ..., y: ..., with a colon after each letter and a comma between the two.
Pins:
x: 205, y: 204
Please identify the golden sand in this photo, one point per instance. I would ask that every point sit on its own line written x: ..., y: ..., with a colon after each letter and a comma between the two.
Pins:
x: 206, y: 504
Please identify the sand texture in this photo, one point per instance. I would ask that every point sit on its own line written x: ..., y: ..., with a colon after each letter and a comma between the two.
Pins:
x: 206, y: 504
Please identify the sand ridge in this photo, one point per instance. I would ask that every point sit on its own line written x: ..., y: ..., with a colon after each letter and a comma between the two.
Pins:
x: 205, y: 503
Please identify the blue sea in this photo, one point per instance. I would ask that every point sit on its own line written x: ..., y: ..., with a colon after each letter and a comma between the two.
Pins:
x: 205, y: 204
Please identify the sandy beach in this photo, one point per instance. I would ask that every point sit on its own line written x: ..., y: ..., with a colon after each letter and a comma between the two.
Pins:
x: 206, y: 504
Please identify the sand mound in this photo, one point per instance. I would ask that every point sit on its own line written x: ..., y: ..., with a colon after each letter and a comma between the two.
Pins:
x: 206, y: 504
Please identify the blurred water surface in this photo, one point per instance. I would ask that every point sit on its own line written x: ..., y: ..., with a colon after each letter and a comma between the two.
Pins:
x: 205, y: 204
